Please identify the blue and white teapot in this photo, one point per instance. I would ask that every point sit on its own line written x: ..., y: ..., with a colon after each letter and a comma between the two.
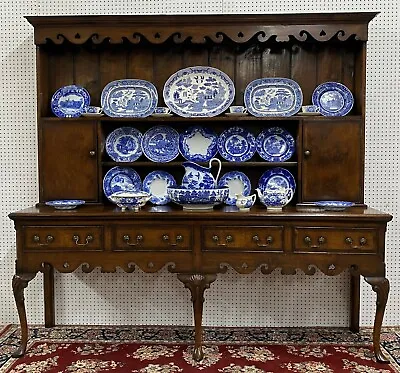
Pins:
x: 200, y: 177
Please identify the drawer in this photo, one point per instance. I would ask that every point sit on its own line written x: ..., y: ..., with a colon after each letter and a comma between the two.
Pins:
x: 63, y: 238
x: 334, y: 239
x: 243, y: 238
x: 149, y: 237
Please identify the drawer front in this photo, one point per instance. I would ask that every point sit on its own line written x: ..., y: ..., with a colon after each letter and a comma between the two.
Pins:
x: 159, y: 238
x: 250, y: 238
x: 63, y: 238
x: 333, y: 239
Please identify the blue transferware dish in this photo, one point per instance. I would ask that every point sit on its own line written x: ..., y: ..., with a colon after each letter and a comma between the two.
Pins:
x: 197, y: 199
x: 334, y: 205
x: 333, y: 99
x: 132, y: 98
x: 200, y: 177
x: 238, y: 184
x: 275, y: 199
x: 124, y: 144
x: 70, y: 101
x: 156, y: 184
x: 198, y: 144
x: 130, y: 200
x: 121, y: 179
x: 236, y: 144
x: 198, y: 91
x: 271, y: 97
x: 275, y: 144
x: 65, y: 204
x: 243, y: 203
x: 161, y: 144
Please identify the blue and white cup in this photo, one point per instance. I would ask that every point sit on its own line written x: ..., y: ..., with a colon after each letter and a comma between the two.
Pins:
x: 162, y: 110
x: 310, y: 109
x: 93, y: 110
x: 237, y: 109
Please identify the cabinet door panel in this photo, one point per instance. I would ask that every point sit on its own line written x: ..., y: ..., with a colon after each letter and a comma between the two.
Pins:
x: 67, y: 160
x: 332, y: 160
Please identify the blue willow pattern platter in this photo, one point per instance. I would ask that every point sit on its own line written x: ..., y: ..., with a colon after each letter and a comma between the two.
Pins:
x: 121, y: 179
x: 333, y: 99
x: 124, y: 144
x: 236, y: 144
x: 198, y: 144
x: 199, y: 91
x: 334, y: 205
x: 271, y: 97
x: 275, y: 144
x: 277, y: 178
x: 156, y: 184
x: 238, y: 183
x: 132, y: 98
x: 70, y: 101
x: 161, y: 144
x: 65, y: 204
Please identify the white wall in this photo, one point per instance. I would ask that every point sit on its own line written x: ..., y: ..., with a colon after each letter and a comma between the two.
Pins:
x: 139, y: 298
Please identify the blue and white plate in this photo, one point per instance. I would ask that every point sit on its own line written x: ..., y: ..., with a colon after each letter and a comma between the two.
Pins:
x: 161, y: 144
x: 277, y: 178
x: 70, y: 101
x: 237, y: 182
x: 275, y: 144
x: 124, y: 144
x: 121, y: 179
x: 236, y: 144
x: 198, y: 144
x: 334, y: 205
x: 65, y: 204
x: 333, y: 99
x: 132, y: 98
x: 156, y: 184
x: 199, y: 91
x: 271, y: 97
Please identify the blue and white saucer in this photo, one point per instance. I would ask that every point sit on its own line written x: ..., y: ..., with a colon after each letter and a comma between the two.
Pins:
x: 237, y: 182
x: 161, y: 144
x: 156, y: 184
x: 124, y: 144
x: 334, y: 205
x: 121, y: 179
x: 198, y: 144
x: 70, y: 101
x: 277, y: 178
x: 275, y: 144
x: 333, y: 99
x: 236, y: 144
x: 65, y: 204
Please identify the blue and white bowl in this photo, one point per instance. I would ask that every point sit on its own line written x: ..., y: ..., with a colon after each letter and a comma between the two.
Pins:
x: 197, y: 199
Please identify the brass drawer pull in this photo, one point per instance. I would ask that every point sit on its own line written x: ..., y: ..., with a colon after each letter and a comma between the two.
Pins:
x: 269, y: 241
x: 139, y: 239
x: 49, y: 240
x: 349, y: 241
x: 178, y: 239
x: 321, y: 241
x: 228, y: 239
x: 76, y: 239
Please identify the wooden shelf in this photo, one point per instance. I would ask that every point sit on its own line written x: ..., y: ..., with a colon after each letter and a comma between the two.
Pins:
x: 175, y: 164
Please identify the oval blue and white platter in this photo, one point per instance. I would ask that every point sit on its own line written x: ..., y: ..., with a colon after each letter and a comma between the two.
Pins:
x: 65, y: 204
x: 236, y: 144
x: 199, y: 91
x: 198, y: 144
x: 334, y: 205
x: 333, y: 99
x: 271, y: 97
x: 276, y: 179
x: 161, y: 144
x: 238, y: 183
x: 121, y: 179
x: 132, y: 98
x: 275, y: 144
x: 70, y: 101
x: 156, y: 184
x: 124, y: 144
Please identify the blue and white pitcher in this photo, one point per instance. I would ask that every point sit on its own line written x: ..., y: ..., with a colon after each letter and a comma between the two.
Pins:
x: 200, y: 177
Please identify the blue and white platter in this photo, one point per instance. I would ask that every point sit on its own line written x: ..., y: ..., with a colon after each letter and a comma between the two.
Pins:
x: 236, y: 144
x: 198, y: 144
x: 238, y: 183
x: 121, y: 179
x: 161, y: 144
x: 65, y: 204
x: 70, y: 101
x: 132, y: 98
x: 277, y: 178
x: 275, y: 144
x: 124, y: 144
x: 333, y: 99
x: 199, y: 91
x: 334, y: 205
x: 271, y: 97
x: 156, y: 184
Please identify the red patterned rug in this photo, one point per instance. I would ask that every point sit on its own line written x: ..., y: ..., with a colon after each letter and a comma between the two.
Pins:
x: 87, y: 349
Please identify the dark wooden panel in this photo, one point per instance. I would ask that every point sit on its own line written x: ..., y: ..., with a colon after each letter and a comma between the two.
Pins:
x: 276, y: 62
x: 42, y: 67
x: 113, y: 65
x: 140, y: 64
x: 195, y: 57
x: 329, y: 64
x: 224, y: 60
